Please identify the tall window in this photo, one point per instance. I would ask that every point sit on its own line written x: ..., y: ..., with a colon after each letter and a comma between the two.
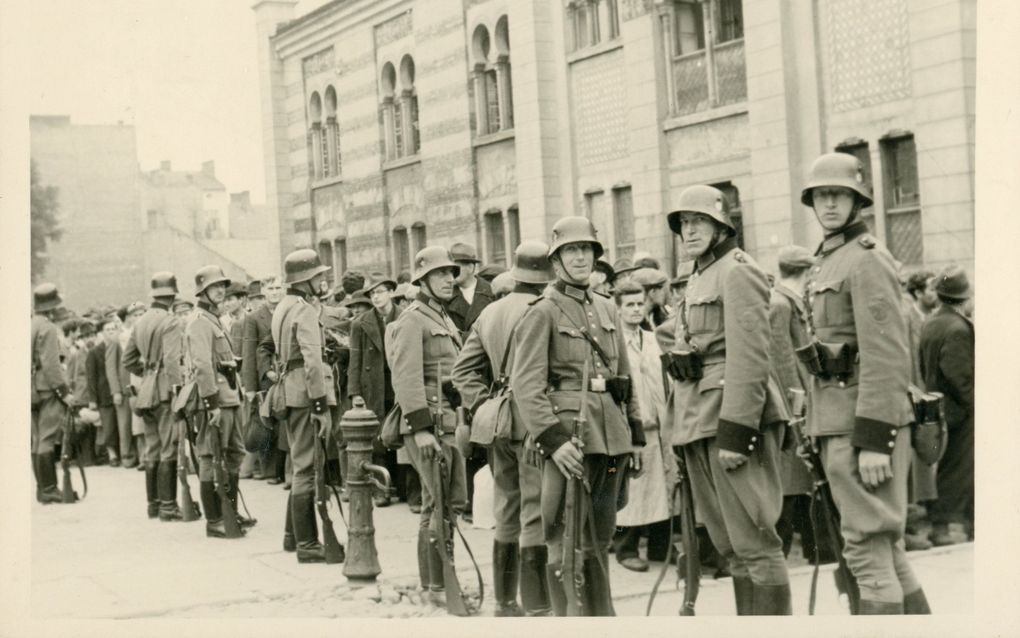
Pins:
x: 331, y: 149
x: 419, y: 238
x: 592, y: 22
x: 409, y: 106
x: 339, y: 257
x: 401, y: 257
x: 491, y: 79
x: 859, y: 149
x: 316, y: 139
x: 623, y: 222
x: 902, y: 199
x: 495, y: 238
x: 732, y: 196
x: 513, y: 224
x: 704, y: 46
x: 326, y: 257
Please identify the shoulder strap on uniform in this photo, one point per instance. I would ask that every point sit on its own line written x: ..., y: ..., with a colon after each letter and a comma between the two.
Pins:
x: 866, y: 240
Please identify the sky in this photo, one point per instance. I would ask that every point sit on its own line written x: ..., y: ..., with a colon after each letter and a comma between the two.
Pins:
x: 183, y: 72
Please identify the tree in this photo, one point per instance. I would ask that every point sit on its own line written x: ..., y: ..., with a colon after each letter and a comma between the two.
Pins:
x: 45, y: 226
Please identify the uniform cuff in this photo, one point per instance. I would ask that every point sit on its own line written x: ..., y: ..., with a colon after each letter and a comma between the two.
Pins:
x: 637, y: 433
x: 211, y: 402
x: 551, y: 440
x: 419, y: 420
x: 319, y: 405
x: 734, y: 437
x: 874, y: 436
x: 61, y: 391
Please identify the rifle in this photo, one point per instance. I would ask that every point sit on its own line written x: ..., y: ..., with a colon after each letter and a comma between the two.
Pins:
x: 690, y: 560
x: 231, y: 527
x: 333, y: 548
x: 822, y: 507
x: 67, y: 493
x: 189, y: 509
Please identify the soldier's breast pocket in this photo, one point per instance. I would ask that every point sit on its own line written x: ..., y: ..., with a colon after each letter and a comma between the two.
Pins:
x: 439, y: 343
x: 571, y: 346
x: 832, y: 304
x: 705, y: 314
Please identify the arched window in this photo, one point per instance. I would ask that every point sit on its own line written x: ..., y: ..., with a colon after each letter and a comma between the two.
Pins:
x: 315, y: 136
x: 491, y: 78
x: 401, y: 256
x: 506, y: 102
x: 392, y: 130
x: 592, y: 22
x: 331, y: 149
x: 409, y: 106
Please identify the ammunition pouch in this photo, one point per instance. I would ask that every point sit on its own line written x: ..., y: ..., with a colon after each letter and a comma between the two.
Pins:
x: 229, y: 372
x: 930, y: 432
x: 828, y: 360
x: 619, y: 388
x: 451, y: 394
x: 685, y: 366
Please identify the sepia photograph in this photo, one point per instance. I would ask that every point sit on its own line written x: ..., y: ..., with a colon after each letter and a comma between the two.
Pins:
x: 435, y: 310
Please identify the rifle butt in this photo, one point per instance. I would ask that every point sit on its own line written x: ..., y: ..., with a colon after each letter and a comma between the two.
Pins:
x: 67, y: 494
x: 189, y: 510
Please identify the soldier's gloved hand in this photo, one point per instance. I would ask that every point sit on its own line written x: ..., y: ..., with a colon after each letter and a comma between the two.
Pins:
x: 569, y: 460
x: 875, y: 468
x: 463, y: 438
x: 428, y: 444
x: 731, y: 460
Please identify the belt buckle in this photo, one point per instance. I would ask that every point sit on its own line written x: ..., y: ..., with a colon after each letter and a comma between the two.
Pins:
x: 598, y: 384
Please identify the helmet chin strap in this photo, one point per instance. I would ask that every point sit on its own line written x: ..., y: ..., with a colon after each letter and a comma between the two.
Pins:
x: 563, y: 273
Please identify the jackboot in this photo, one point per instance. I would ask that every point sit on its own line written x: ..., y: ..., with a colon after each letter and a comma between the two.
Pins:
x: 35, y: 473
x: 597, y: 593
x: 554, y: 581
x: 743, y: 594
x: 152, y: 488
x: 916, y: 603
x: 213, y: 514
x: 306, y: 532
x: 424, y: 574
x: 48, y: 492
x: 772, y: 600
x: 232, y: 487
x: 533, y: 585
x: 505, y: 575
x: 289, y: 542
x: 876, y: 608
x: 165, y: 481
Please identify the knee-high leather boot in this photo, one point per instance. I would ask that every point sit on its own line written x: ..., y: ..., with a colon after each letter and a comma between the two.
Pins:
x: 289, y: 542
x: 533, y: 585
x: 306, y: 531
x: 152, y: 488
x: 505, y: 574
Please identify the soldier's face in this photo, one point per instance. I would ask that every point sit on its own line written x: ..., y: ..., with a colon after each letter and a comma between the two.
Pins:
x: 632, y: 309
x: 833, y: 206
x: 697, y: 230
x: 441, y: 283
x: 273, y: 291
x: 216, y: 293
x: 576, y: 261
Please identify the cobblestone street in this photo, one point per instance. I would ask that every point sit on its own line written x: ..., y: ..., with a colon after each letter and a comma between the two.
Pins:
x: 116, y: 563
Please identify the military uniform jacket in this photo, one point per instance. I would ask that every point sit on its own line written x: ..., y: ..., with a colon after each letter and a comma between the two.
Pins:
x: 154, y: 347
x: 464, y: 314
x: 297, y: 333
x: 421, y: 345
x: 256, y: 362
x: 789, y: 332
x: 368, y: 374
x: 482, y: 357
x: 947, y: 362
x: 47, y: 373
x: 550, y: 351
x: 208, y: 348
x: 854, y: 298
x: 726, y: 312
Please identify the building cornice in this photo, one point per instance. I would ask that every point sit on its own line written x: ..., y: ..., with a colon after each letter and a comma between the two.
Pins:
x: 322, y: 27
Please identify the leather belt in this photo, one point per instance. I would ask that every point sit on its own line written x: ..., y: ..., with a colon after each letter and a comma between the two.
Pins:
x: 575, y: 385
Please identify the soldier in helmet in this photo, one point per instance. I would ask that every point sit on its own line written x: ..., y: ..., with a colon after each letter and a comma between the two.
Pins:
x: 519, y: 551
x: 49, y: 391
x: 214, y: 371
x: 308, y: 387
x: 729, y: 418
x: 570, y: 334
x: 860, y: 410
x: 421, y: 349
x: 153, y: 353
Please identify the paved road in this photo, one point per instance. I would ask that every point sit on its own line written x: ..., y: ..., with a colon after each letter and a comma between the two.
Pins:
x: 103, y: 558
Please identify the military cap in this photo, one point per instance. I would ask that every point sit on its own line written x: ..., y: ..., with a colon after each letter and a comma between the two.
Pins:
x: 163, y: 284
x: 46, y: 297
x: 704, y: 199
x: 575, y: 229
x: 952, y: 283
x: 464, y: 252
x: 531, y: 263
x: 836, y: 169
x: 208, y: 276
x: 794, y: 256
x: 432, y: 258
x: 650, y: 277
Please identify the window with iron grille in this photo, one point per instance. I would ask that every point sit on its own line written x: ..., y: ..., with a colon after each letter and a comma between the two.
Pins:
x: 324, y: 145
x: 401, y: 257
x: 334, y: 130
x: 859, y: 149
x: 492, y: 101
x: 592, y: 22
x: 495, y: 238
x: 703, y: 76
x: 902, y: 199
x: 398, y: 130
x: 623, y: 222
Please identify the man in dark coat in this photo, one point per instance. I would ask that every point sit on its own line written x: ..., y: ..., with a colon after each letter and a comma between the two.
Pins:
x: 100, y: 396
x: 256, y: 366
x: 947, y: 363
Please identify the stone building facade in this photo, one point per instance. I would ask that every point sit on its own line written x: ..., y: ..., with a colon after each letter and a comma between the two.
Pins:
x: 389, y: 124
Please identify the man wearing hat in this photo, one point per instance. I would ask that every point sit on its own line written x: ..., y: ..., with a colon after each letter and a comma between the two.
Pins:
x: 368, y: 375
x: 519, y: 550
x: 49, y: 392
x: 421, y: 350
x: 182, y: 309
x: 153, y: 353
x: 789, y: 332
x: 100, y: 397
x: 657, y: 302
x: 860, y: 411
x: 570, y: 334
x: 502, y: 285
x: 309, y: 390
x: 622, y: 269
x: 127, y: 383
x: 601, y: 277
x: 729, y: 418
x: 947, y: 363
x: 214, y: 372
x: 81, y: 337
x: 356, y: 303
x: 256, y: 364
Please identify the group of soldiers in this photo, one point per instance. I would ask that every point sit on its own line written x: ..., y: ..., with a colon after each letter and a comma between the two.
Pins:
x: 532, y: 376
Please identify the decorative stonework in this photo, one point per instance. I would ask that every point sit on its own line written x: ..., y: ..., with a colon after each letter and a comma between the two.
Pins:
x: 630, y: 9
x: 393, y: 29
x: 599, y: 101
x: 868, y: 52
x: 317, y: 63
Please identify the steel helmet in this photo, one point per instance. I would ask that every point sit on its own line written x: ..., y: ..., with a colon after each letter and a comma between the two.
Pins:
x: 837, y: 169
x: 302, y: 265
x: 207, y: 276
x: 432, y: 258
x: 46, y: 297
x: 705, y: 199
x: 163, y: 284
x: 573, y: 229
x: 531, y: 263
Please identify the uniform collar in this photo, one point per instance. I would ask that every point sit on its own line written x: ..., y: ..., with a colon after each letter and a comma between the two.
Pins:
x: 579, y: 294
x: 714, y: 253
x: 528, y: 289
x: 298, y: 293
x: 840, y: 237
x: 208, y: 307
x: 431, y: 302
